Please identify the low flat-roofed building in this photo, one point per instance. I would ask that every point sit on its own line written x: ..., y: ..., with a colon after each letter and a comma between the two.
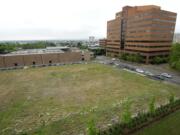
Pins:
x: 32, y: 57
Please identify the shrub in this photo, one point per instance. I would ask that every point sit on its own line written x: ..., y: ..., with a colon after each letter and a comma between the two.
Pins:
x: 175, y: 57
x: 152, y: 106
x: 132, y: 123
x: 171, y: 98
x: 131, y: 57
x: 115, y: 130
x: 126, y: 114
x: 159, y: 60
x: 91, y: 130
x: 123, y: 56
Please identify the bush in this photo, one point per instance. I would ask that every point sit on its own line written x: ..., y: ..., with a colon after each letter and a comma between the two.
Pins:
x: 129, y: 124
x: 91, y: 130
x: 175, y: 57
x: 171, y: 98
x: 126, y: 114
x: 131, y: 57
x: 123, y: 56
x: 159, y: 60
x: 152, y: 106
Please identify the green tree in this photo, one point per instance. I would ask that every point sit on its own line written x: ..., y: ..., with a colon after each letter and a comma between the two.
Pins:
x: 175, y: 57
x: 131, y: 57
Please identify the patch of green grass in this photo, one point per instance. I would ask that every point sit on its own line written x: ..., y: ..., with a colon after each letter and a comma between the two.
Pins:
x: 61, y: 100
x: 167, y: 126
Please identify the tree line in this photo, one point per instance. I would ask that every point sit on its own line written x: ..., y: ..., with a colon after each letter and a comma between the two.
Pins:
x: 10, y: 47
x: 175, y: 56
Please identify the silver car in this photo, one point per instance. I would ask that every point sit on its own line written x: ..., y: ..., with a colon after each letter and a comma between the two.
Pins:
x: 139, y: 70
x: 166, y: 75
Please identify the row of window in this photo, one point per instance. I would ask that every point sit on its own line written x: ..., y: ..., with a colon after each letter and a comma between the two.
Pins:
x: 162, y: 31
x: 152, y: 13
x: 149, y: 19
x: 164, y: 13
x: 148, y: 36
x: 33, y: 63
x: 151, y: 25
x: 117, y: 31
x: 143, y: 46
x: 148, y: 41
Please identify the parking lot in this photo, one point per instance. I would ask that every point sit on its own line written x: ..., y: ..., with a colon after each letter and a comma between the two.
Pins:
x: 158, y: 72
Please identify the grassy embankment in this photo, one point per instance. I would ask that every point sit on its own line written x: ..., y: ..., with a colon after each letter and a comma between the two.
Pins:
x: 167, y: 126
x: 60, y: 100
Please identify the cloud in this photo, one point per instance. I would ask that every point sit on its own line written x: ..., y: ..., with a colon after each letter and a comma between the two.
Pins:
x: 64, y: 19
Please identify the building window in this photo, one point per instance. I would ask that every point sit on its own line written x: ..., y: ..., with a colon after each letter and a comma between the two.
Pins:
x: 50, y: 62
x: 15, y: 64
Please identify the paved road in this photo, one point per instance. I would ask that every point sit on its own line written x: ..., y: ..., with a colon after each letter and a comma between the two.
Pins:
x: 154, y: 69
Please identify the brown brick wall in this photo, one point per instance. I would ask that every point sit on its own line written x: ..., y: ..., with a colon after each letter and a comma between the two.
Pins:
x: 87, y: 56
x: 10, y: 61
x: 70, y: 57
x: 29, y: 59
x: 1, y: 62
x: 39, y: 59
x: 50, y: 58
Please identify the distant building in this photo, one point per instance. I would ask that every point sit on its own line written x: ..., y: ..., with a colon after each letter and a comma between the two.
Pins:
x: 145, y: 30
x: 91, y: 39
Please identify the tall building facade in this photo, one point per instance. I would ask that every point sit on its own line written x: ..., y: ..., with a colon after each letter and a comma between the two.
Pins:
x: 145, y: 30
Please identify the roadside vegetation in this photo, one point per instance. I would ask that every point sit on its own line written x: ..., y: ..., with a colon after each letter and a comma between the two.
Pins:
x: 132, y: 57
x: 173, y: 60
x: 97, y: 51
x: 160, y: 60
x: 175, y: 57
x: 166, y: 126
x: 62, y: 100
x: 132, y: 124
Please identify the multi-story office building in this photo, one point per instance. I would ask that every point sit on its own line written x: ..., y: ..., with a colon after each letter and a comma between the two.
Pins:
x: 102, y: 43
x: 145, y: 30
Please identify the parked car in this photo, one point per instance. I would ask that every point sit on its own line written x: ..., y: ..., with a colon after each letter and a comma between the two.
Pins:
x: 148, y: 73
x: 159, y: 77
x: 113, y: 59
x: 166, y: 75
x: 131, y: 68
x: 116, y: 64
x: 111, y: 63
x: 139, y: 70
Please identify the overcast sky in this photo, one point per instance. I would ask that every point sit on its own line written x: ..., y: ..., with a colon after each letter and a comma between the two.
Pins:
x: 65, y: 19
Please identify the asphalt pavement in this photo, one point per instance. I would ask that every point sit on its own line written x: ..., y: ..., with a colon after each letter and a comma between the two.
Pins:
x: 151, y: 71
